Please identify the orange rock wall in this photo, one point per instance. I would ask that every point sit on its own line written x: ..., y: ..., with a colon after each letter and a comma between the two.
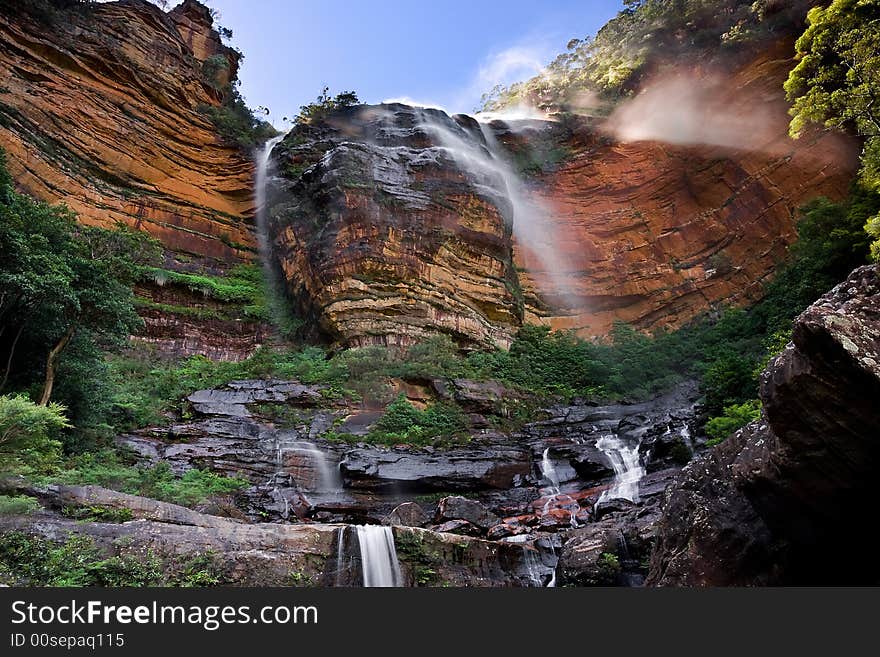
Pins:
x: 99, y: 110
x: 655, y: 234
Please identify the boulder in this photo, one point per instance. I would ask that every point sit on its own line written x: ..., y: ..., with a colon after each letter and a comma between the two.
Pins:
x: 770, y: 504
x: 408, y: 514
x: 461, y: 508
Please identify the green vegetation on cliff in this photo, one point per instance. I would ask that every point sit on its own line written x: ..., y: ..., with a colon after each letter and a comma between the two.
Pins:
x: 646, y: 34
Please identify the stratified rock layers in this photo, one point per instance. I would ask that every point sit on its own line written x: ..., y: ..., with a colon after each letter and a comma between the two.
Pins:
x: 387, y: 233
x: 654, y: 234
x: 383, y: 239
x: 782, y: 501
x: 99, y: 110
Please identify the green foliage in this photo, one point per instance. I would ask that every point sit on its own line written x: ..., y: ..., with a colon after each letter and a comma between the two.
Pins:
x: 837, y: 83
x: 325, y: 104
x: 608, y: 570
x: 158, y: 482
x: 642, y: 37
x: 735, y: 417
x: 77, y: 561
x: 98, y: 513
x: 243, y: 285
x: 61, y: 284
x: 28, y: 434
x: 404, y: 423
x: 236, y: 123
x: 17, y: 505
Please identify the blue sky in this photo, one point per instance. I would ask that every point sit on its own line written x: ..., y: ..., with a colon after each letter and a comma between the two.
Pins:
x: 444, y: 53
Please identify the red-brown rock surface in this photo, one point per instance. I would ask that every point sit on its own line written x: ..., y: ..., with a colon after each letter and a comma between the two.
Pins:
x: 98, y: 109
x: 654, y: 234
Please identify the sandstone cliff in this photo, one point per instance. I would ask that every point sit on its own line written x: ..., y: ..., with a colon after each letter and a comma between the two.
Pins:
x: 653, y: 233
x: 99, y: 109
x: 782, y: 500
x: 392, y: 223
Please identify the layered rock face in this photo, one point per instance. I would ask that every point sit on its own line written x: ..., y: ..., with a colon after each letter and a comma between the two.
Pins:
x: 657, y: 229
x: 779, y: 501
x: 384, y: 239
x: 394, y: 222
x: 98, y: 110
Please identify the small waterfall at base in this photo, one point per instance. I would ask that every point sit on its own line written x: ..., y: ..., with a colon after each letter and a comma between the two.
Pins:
x: 549, y: 470
x: 329, y: 480
x: 379, y: 562
x: 557, y: 497
x: 627, y: 465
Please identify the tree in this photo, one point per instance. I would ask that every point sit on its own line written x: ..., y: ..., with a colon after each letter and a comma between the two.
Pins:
x: 837, y: 82
x: 325, y: 104
x: 59, y: 279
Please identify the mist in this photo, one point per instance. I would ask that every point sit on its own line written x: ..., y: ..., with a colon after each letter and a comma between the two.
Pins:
x: 694, y: 109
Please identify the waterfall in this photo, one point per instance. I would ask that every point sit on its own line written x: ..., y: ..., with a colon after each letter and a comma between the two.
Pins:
x: 548, y: 470
x: 328, y: 480
x: 378, y: 556
x: 261, y: 195
x: 484, y: 159
x: 340, y: 555
x: 627, y: 465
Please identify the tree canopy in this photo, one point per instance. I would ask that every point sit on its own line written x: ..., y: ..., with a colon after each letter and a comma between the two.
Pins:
x: 837, y: 82
x: 60, y: 280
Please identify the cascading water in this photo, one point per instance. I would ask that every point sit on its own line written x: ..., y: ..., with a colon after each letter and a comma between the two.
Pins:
x: 627, y: 465
x: 261, y: 195
x: 379, y: 562
x: 483, y: 158
x: 328, y: 479
x: 549, y: 470
x: 557, y: 498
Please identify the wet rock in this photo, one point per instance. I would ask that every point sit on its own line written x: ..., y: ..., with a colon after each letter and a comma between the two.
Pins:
x: 769, y: 504
x: 233, y: 399
x: 408, y: 514
x: 462, y: 527
x: 461, y: 508
x: 469, y: 468
x: 590, y: 556
x: 475, y: 397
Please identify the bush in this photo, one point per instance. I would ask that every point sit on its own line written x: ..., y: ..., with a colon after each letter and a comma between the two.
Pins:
x: 236, y: 123
x: 158, y: 482
x: 403, y: 423
x: 28, y: 434
x: 76, y: 562
x: 17, y: 505
x: 735, y: 417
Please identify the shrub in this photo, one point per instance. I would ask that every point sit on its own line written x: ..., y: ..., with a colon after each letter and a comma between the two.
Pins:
x: 735, y: 417
x: 403, y: 423
x: 28, y: 434
x: 158, y: 482
x: 17, y: 505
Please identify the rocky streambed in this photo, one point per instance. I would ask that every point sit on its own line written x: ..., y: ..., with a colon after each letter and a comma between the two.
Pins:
x: 539, y: 506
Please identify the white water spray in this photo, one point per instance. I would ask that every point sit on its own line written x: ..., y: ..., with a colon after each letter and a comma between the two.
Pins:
x: 488, y: 166
x: 548, y: 470
x: 627, y: 465
x: 261, y: 200
x: 378, y: 556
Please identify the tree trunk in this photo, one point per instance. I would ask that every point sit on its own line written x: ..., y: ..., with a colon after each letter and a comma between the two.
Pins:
x: 9, y: 360
x: 50, y: 366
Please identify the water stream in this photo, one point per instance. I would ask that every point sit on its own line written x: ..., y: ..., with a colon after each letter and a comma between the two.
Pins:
x: 480, y: 155
x: 379, y: 562
x: 627, y: 465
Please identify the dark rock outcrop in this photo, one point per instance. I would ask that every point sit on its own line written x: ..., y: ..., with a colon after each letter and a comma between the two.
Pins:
x: 781, y: 501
